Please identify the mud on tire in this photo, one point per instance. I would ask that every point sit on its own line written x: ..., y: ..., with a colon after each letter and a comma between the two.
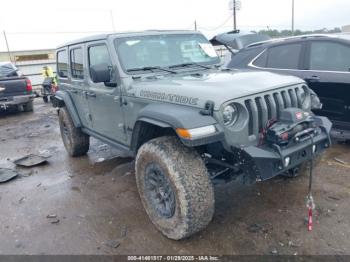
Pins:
x: 75, y: 141
x: 191, y: 199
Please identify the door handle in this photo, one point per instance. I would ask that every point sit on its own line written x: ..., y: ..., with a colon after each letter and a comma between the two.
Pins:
x: 74, y: 91
x: 312, y: 79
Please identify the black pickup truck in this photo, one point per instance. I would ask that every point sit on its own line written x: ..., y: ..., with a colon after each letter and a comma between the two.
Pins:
x: 15, y: 89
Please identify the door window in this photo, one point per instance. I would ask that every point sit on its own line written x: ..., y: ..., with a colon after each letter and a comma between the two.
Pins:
x: 329, y: 56
x: 62, y: 63
x: 76, y: 62
x: 284, y: 56
x: 99, y: 55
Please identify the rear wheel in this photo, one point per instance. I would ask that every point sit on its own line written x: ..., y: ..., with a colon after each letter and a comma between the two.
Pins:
x: 45, y: 99
x: 75, y: 141
x: 174, y: 187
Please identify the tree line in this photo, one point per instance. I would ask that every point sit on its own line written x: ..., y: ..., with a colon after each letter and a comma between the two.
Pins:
x: 283, y: 33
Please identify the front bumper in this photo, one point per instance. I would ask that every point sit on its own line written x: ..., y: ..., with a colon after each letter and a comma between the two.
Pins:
x: 15, y: 101
x: 270, y: 161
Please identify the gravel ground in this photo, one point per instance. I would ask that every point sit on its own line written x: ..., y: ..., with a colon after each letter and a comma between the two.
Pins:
x: 90, y: 205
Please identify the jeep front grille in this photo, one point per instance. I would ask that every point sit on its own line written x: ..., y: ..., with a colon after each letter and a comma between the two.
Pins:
x: 266, y: 107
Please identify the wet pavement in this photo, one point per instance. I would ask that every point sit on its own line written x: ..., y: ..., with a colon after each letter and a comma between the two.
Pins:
x: 90, y: 204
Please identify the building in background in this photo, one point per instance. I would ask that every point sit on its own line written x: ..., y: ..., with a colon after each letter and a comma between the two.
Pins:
x: 31, y: 62
x: 346, y: 29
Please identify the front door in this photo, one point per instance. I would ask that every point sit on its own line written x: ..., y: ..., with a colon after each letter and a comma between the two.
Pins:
x: 104, y: 101
x: 328, y: 75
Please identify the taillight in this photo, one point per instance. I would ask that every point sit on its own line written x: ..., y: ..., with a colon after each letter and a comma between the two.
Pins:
x: 29, y: 85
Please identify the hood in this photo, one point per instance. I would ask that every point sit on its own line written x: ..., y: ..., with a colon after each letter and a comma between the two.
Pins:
x: 219, y: 87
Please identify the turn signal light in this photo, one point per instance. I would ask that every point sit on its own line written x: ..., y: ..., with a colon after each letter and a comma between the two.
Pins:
x: 184, y: 133
x: 195, y: 132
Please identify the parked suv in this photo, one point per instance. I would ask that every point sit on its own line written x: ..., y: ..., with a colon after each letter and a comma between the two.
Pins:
x: 161, y: 97
x: 323, y: 61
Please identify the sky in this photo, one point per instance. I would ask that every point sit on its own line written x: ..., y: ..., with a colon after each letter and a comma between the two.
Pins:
x: 38, y: 24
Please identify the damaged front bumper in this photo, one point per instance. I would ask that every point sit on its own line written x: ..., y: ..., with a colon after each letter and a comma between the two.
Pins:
x: 269, y: 161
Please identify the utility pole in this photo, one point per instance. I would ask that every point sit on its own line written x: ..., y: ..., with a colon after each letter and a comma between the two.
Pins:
x: 292, y: 17
x: 112, y: 20
x: 234, y: 15
x: 7, y: 45
x: 195, y: 25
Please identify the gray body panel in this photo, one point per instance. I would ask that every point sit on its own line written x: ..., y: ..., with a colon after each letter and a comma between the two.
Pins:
x: 114, y: 113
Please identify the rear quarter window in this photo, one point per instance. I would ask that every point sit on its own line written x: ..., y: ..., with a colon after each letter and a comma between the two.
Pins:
x: 76, y: 63
x: 243, y: 58
x: 62, y: 63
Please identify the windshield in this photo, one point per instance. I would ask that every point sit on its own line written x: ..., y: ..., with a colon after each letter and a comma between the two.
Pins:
x: 163, y: 51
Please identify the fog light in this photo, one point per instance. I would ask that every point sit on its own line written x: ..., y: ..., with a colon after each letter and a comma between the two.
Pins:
x: 286, y: 161
x: 314, y: 149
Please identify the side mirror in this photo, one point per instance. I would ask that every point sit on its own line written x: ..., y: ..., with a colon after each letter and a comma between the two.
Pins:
x: 100, y: 73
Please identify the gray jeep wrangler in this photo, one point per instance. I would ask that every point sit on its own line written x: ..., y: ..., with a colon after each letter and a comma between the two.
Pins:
x: 162, y: 97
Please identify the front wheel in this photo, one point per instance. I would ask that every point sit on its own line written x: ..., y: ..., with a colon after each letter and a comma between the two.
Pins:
x: 174, y: 187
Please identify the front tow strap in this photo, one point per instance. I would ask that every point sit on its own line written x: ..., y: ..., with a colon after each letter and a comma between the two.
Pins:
x: 310, y: 203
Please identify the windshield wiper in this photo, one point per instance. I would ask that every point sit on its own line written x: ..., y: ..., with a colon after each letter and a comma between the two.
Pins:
x: 150, y: 68
x: 190, y: 64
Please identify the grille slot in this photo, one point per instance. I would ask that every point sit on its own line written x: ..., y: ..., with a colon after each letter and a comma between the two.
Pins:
x: 267, y: 107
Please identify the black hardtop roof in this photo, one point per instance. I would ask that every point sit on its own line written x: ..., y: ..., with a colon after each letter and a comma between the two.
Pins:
x: 125, y: 34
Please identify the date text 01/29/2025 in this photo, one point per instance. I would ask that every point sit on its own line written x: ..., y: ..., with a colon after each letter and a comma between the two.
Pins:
x: 173, y: 258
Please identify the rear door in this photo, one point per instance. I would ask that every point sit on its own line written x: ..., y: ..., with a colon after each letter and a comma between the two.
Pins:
x: 327, y: 73
x: 105, y: 100
x: 70, y: 62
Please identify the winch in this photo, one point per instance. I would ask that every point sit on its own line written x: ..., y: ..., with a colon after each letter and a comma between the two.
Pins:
x: 293, y: 125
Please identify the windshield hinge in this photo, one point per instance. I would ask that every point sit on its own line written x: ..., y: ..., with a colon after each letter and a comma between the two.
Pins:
x: 208, y: 109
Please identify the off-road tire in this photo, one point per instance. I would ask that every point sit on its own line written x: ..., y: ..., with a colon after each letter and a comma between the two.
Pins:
x: 75, y: 141
x: 28, y: 107
x: 189, y: 181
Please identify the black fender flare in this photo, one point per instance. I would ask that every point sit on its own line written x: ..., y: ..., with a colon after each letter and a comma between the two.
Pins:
x: 175, y: 116
x: 63, y: 98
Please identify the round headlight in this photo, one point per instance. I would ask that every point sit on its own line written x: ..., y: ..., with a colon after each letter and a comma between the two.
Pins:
x: 230, y: 115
